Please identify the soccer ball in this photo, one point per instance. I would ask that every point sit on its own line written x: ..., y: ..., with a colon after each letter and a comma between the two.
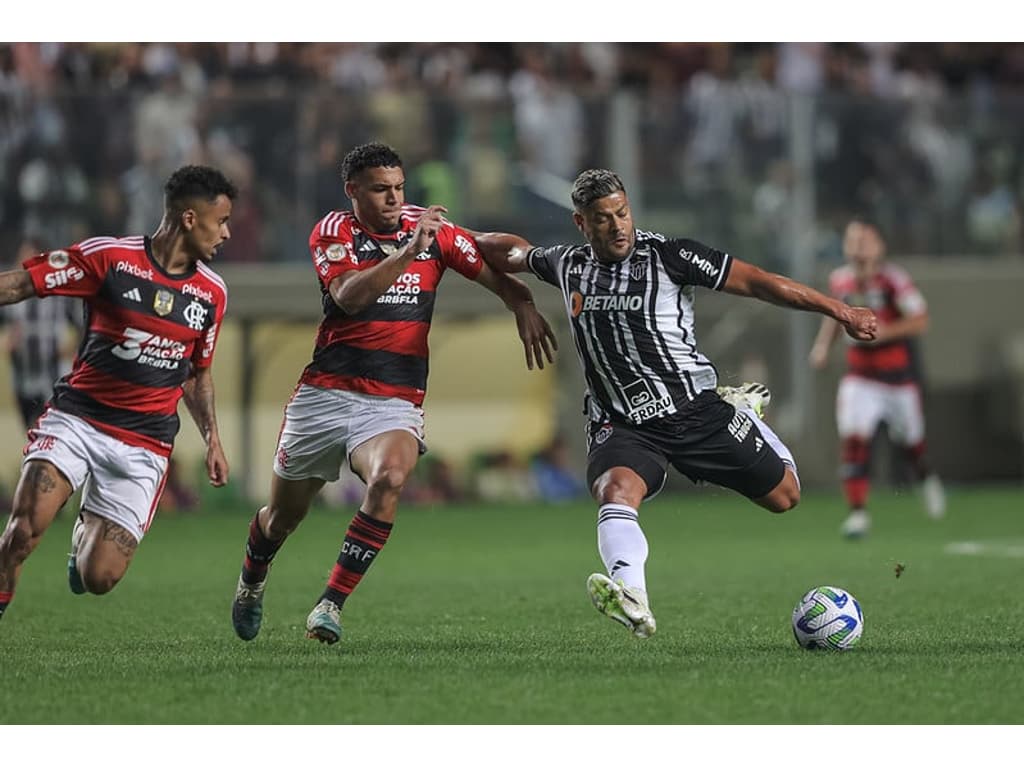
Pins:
x: 827, y: 617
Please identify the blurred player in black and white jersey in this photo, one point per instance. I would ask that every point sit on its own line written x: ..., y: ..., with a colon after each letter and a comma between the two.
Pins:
x: 360, y: 398
x: 652, y: 396
x: 40, y: 337
x: 154, y: 309
x: 882, y: 380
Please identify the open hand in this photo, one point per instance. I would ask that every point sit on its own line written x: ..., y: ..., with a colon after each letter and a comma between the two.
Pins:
x: 536, y: 335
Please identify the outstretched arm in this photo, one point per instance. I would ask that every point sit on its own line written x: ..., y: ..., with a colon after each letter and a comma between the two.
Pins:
x: 355, y: 291
x: 15, y: 286
x: 502, y: 251
x: 198, y: 394
x: 747, y: 280
x: 534, y: 330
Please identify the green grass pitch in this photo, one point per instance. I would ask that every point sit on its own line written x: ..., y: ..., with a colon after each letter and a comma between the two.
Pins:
x: 479, y: 615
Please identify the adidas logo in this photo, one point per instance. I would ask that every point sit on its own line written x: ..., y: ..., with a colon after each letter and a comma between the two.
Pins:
x: 133, y: 294
x: 758, y: 443
x: 369, y: 245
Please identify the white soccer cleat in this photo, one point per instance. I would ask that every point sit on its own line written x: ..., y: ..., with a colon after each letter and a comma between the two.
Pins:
x: 749, y: 394
x: 934, y: 497
x: 626, y: 605
x: 857, y: 525
x: 324, y: 622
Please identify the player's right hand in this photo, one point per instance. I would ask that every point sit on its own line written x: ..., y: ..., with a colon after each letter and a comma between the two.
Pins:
x: 860, y: 323
x: 426, y: 229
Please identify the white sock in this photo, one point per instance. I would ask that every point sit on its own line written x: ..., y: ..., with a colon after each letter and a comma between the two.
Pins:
x: 622, y: 544
x: 775, y: 442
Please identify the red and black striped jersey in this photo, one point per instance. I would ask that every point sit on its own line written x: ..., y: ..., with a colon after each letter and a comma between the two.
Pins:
x: 381, y: 350
x: 891, y: 293
x: 144, y: 329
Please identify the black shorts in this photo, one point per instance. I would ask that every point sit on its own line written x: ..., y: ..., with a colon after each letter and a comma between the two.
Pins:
x: 708, y: 440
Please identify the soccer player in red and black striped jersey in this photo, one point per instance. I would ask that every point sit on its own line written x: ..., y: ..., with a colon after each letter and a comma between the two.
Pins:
x: 153, y: 310
x: 881, y: 382
x: 359, y: 399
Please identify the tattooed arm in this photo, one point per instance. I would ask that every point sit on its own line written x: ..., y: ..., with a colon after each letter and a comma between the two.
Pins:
x: 198, y: 394
x: 15, y: 286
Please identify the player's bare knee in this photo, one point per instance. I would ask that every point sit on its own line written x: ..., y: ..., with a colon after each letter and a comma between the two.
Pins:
x: 100, y: 577
x: 615, y: 489
x: 99, y: 583
x: 278, y: 521
x: 387, y: 480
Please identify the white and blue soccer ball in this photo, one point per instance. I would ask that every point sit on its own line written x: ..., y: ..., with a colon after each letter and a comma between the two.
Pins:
x: 827, y: 617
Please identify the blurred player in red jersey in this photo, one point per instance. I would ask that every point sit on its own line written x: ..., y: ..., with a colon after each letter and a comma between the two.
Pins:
x: 360, y: 398
x: 154, y: 308
x: 881, y: 383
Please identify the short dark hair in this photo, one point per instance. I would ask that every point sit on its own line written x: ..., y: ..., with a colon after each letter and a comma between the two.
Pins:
x: 192, y: 182
x: 372, y: 155
x: 594, y: 184
x: 867, y: 220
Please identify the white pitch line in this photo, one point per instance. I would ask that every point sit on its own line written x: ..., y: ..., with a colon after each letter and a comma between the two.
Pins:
x: 992, y: 548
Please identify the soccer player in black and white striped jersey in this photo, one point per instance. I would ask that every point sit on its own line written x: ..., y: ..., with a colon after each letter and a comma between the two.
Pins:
x: 652, y: 396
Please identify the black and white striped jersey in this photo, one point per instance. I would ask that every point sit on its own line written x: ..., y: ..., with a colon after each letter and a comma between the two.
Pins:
x: 632, y: 322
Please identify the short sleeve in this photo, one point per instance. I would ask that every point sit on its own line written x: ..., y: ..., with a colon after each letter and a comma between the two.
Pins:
x: 66, y: 272
x: 459, y: 251
x: 543, y: 262
x: 689, y: 262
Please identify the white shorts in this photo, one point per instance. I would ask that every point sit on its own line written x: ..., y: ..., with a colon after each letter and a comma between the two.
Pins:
x: 323, y: 426
x: 119, y: 482
x: 861, y: 404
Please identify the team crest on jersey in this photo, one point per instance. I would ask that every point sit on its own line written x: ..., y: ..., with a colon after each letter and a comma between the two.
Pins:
x: 389, y: 249
x: 57, y: 259
x: 195, y: 315
x: 638, y: 271
x: 163, y: 302
x: 603, y: 434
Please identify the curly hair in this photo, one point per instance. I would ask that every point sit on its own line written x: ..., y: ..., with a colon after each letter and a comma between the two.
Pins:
x: 372, y: 155
x: 192, y: 182
x: 594, y: 184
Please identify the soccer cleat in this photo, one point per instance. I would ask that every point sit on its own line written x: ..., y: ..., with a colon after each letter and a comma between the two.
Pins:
x: 857, y: 525
x: 247, y: 608
x: 324, y: 622
x: 750, y: 395
x: 626, y: 605
x: 75, y: 582
x: 934, y: 497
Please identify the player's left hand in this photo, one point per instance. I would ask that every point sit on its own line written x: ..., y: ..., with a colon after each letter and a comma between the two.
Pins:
x: 860, y: 323
x: 216, y: 465
x: 536, y: 335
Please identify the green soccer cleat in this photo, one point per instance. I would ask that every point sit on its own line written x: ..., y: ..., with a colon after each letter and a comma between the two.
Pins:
x: 626, y: 605
x: 749, y: 394
x: 324, y: 623
x: 247, y: 608
x: 75, y: 583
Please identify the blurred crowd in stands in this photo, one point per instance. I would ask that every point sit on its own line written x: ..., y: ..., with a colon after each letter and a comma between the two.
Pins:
x: 925, y: 137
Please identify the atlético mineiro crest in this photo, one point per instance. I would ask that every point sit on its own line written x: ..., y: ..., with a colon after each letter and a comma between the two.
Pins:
x: 163, y: 302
